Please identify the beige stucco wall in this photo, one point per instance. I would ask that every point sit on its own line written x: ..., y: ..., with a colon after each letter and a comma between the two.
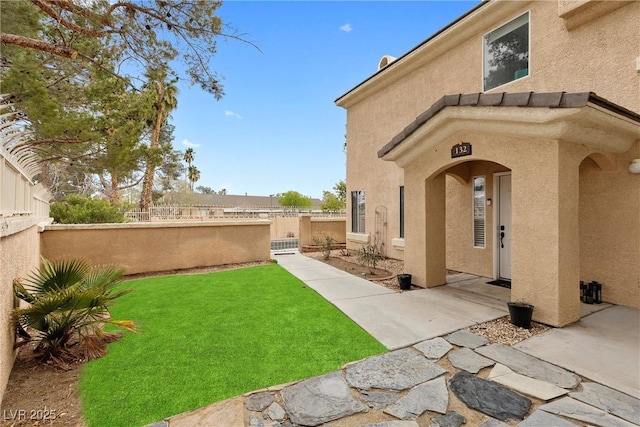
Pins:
x: 610, y: 229
x: 589, y: 48
x: 284, y: 226
x: 160, y: 246
x: 598, y: 56
x: 19, y: 255
x: 310, y: 228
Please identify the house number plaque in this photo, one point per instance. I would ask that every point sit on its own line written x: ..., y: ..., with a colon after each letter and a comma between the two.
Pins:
x: 460, y: 150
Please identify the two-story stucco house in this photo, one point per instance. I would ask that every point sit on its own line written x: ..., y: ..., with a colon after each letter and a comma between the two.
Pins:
x: 507, y: 145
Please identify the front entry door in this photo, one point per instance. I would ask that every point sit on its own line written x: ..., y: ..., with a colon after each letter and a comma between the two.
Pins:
x: 504, y: 226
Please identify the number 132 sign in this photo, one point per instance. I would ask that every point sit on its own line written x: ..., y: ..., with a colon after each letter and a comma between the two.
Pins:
x: 461, y: 150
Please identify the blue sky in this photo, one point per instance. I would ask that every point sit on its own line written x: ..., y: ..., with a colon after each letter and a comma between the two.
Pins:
x: 277, y: 128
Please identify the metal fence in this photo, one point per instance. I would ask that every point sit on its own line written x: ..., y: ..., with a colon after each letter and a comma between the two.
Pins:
x: 19, y: 194
x: 284, y: 245
x: 208, y: 213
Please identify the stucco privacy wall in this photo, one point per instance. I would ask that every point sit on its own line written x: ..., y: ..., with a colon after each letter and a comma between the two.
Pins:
x: 153, y: 247
x: 597, y: 56
x: 19, y: 254
x: 321, y: 228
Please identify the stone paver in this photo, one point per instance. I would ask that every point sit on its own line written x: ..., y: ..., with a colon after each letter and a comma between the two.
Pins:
x: 571, y: 408
x: 492, y: 422
x: 397, y: 370
x: 542, y: 418
x: 275, y: 412
x: 259, y: 401
x: 451, y: 419
x: 488, y: 397
x: 530, y: 386
x: 379, y: 399
x: 464, y: 338
x: 434, y: 349
x: 320, y: 399
x: 530, y: 366
x: 609, y: 400
x: 430, y: 396
x: 469, y: 360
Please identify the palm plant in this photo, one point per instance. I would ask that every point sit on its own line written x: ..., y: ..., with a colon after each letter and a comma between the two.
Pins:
x: 68, y: 307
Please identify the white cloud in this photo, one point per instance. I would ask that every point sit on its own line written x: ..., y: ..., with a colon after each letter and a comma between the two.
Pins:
x: 229, y: 113
x: 347, y: 28
x: 190, y: 144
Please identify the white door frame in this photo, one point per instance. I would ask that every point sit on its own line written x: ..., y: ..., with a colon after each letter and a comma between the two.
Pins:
x: 496, y: 223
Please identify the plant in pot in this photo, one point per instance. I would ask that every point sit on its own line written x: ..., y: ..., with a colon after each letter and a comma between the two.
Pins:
x: 520, y: 313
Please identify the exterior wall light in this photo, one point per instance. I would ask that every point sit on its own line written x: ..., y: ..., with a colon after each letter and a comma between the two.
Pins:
x: 634, y: 167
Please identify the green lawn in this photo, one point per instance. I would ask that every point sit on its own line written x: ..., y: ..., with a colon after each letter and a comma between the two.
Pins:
x: 207, y: 337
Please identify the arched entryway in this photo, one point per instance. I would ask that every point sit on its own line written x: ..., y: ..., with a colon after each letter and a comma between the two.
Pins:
x: 478, y: 235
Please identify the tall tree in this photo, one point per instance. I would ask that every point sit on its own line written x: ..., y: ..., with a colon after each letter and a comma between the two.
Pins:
x: 165, y: 101
x: 151, y: 33
x: 194, y: 176
x: 51, y: 49
x: 294, y: 199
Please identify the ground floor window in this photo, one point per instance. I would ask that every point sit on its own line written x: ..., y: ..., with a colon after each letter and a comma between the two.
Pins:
x: 357, y: 211
x: 479, y: 211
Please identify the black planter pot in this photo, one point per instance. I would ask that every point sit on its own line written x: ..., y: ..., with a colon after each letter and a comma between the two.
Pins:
x: 520, y: 314
x: 404, y: 280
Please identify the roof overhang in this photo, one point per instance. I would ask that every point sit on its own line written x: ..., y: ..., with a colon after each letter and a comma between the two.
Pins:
x: 583, y: 118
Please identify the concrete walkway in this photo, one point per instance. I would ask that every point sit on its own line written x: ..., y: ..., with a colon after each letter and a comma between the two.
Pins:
x: 395, y: 319
x: 437, y: 374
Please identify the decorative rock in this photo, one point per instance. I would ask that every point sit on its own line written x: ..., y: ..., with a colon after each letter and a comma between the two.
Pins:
x: 259, y: 401
x: 492, y: 422
x: 451, y: 419
x: 610, y: 400
x: 431, y: 396
x: 319, y: 400
x: 469, y: 360
x: 571, y: 408
x: 396, y: 370
x: 536, y: 388
x: 378, y: 399
x: 434, y: 349
x: 488, y: 397
x: 392, y: 424
x: 162, y: 423
x: 464, y: 338
x: 256, y: 422
x: 529, y: 365
x: 275, y: 412
x: 541, y: 418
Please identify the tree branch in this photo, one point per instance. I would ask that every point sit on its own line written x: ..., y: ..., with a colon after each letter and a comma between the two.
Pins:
x: 70, y: 25
x: 22, y: 41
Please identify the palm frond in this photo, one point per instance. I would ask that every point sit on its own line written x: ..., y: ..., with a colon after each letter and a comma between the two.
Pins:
x: 57, y: 274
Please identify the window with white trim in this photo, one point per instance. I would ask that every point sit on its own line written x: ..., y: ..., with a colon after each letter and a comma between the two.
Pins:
x: 506, y: 53
x: 479, y: 211
x: 357, y: 211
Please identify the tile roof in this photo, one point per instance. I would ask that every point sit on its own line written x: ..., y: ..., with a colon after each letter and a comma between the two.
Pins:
x: 506, y: 99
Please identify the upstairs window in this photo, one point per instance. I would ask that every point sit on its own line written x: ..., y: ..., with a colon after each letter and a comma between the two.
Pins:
x: 506, y: 53
x: 479, y: 212
x: 357, y: 211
